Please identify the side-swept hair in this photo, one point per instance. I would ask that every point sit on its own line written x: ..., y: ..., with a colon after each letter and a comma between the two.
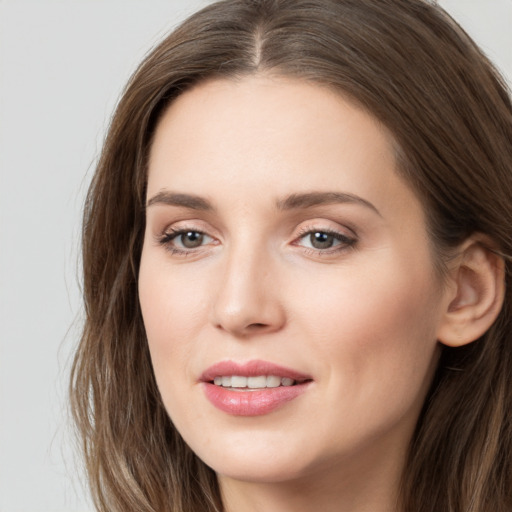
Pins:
x: 412, y: 67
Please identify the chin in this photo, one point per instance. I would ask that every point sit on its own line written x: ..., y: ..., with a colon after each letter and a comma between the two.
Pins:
x: 260, y: 470
x: 255, y: 456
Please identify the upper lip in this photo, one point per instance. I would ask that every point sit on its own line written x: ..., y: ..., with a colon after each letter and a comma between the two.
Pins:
x: 252, y: 368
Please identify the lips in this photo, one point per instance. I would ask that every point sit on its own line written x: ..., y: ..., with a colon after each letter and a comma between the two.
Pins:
x: 252, y: 389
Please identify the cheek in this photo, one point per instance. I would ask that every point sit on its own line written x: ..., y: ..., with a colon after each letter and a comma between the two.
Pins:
x: 375, y: 325
x: 171, y: 309
x: 373, y: 342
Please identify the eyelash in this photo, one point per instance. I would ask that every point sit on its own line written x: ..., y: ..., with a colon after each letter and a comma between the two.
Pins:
x: 169, y: 236
x: 346, y: 242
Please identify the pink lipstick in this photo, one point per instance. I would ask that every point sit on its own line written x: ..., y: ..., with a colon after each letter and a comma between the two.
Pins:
x: 253, y: 388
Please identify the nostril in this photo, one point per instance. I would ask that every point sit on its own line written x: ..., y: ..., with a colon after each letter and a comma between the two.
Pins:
x: 256, y: 326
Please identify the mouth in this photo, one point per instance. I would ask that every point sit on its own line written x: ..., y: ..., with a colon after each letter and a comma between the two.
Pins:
x: 239, y: 382
x: 252, y: 389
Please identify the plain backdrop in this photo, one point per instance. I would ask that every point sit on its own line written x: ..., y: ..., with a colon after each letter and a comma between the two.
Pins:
x: 63, y: 64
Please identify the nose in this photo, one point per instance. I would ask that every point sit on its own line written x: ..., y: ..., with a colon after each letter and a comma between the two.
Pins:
x: 248, y: 299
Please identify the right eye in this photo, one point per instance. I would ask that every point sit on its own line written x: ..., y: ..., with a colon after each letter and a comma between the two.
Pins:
x: 190, y: 239
x: 185, y: 240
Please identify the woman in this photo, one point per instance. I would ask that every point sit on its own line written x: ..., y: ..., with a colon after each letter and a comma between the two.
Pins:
x: 297, y: 268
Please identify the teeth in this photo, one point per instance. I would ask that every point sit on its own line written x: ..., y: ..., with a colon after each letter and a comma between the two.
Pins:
x: 237, y: 382
x: 273, y: 382
x: 259, y: 382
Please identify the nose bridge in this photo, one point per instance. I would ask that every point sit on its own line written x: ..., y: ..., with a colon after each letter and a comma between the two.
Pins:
x: 247, y: 300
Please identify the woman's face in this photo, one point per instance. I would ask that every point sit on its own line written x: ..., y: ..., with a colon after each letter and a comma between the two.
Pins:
x: 287, y: 284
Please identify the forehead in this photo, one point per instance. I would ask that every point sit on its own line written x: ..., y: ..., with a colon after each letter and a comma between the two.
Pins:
x: 272, y: 134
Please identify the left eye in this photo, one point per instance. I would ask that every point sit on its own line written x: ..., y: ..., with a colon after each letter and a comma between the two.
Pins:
x: 324, y: 240
x: 188, y: 239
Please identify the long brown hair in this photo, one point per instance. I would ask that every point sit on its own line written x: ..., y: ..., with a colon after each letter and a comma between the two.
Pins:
x: 410, y: 65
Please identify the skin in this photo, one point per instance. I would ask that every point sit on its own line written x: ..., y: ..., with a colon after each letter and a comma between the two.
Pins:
x: 361, y: 317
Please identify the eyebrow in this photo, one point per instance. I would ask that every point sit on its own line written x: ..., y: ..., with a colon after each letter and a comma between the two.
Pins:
x: 311, y: 199
x: 291, y: 202
x: 176, y: 199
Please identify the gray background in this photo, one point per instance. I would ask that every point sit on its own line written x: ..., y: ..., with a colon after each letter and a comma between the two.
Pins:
x: 62, y: 67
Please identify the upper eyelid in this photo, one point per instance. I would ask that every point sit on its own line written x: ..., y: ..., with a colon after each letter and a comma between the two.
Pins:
x: 300, y: 229
x: 176, y: 232
x: 332, y: 232
x: 187, y: 225
x: 323, y: 225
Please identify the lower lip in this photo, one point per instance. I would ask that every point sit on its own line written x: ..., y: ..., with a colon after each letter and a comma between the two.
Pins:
x: 252, y: 402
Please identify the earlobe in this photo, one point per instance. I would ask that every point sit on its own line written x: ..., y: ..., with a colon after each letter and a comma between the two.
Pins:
x: 476, y: 295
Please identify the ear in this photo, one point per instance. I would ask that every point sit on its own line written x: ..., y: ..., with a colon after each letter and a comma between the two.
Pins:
x: 475, y: 293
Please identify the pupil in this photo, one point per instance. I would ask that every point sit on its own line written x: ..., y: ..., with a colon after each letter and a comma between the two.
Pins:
x: 192, y: 239
x: 321, y: 240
